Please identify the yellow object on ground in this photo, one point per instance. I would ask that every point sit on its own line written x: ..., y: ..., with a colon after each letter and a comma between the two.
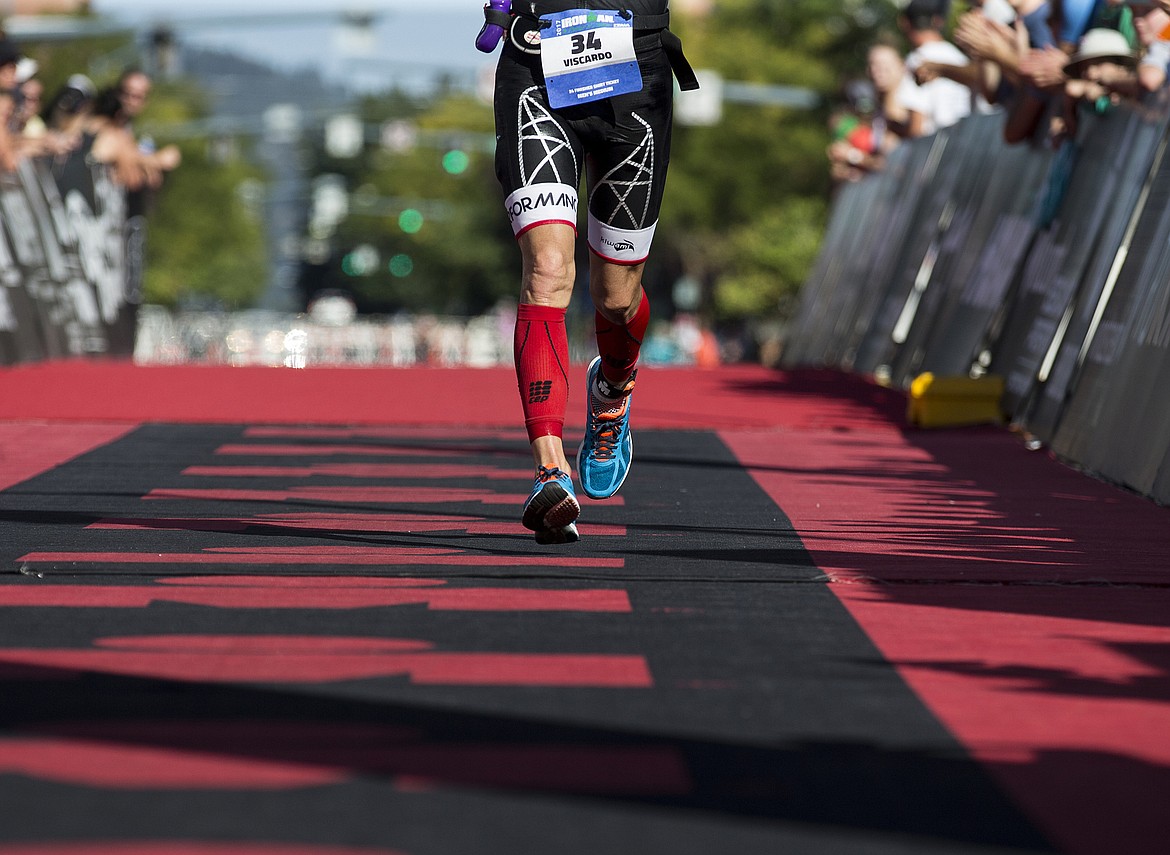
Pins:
x: 953, y: 401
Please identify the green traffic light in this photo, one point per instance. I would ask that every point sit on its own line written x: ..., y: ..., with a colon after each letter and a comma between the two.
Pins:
x: 410, y: 221
x: 455, y: 162
x: 401, y: 265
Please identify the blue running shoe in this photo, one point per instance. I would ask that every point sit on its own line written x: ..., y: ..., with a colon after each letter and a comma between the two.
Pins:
x: 552, y: 510
x: 603, y: 460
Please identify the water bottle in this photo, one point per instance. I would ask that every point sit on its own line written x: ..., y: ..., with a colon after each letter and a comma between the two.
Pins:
x: 490, y: 35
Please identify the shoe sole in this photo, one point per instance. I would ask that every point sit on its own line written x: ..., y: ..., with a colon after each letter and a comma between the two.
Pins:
x: 550, y: 509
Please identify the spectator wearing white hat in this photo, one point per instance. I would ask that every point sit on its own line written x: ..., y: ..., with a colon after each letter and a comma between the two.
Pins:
x: 1101, y: 72
x: 1106, y: 58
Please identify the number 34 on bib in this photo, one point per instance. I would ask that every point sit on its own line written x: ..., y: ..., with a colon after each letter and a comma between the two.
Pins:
x: 588, y: 55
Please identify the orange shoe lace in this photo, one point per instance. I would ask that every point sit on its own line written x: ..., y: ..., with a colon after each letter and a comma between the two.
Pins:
x: 546, y: 474
x: 604, y: 426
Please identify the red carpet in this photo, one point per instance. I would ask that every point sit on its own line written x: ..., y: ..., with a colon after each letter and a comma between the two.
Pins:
x: 114, y: 391
x: 28, y: 448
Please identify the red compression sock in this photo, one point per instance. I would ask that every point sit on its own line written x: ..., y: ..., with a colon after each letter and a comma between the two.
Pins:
x: 542, y: 362
x: 620, y: 344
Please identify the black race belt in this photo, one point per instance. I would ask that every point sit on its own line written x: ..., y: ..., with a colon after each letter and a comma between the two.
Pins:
x: 524, y: 26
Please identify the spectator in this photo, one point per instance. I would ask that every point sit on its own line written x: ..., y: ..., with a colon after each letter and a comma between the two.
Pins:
x: 113, y: 142
x: 1103, y: 69
x: 1153, y: 29
x: 988, y: 36
x: 1023, y: 68
x: 70, y: 105
x: 1103, y: 55
x: 135, y: 165
x: 9, y: 106
x: 893, y: 120
x: 878, y: 119
x: 31, y: 134
x: 10, y: 58
x: 1072, y: 20
x: 1001, y: 40
x: 67, y: 114
x: 855, y: 150
x: 31, y: 91
x: 947, y: 83
x: 1075, y: 19
x: 1047, y: 69
x: 9, y: 152
x: 1101, y: 72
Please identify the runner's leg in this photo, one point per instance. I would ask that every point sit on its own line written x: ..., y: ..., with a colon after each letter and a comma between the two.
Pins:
x: 542, y: 345
x: 623, y: 312
x: 622, y: 316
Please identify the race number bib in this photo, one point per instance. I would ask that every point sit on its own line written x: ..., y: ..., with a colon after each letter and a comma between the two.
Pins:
x: 588, y: 55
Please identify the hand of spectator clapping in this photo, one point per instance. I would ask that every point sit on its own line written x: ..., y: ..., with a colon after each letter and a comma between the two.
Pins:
x: 1044, y: 67
x: 1149, y: 26
x: 925, y: 72
x: 983, y: 38
x: 1085, y: 90
x: 169, y: 157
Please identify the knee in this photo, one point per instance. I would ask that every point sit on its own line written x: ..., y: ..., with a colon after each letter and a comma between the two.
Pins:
x: 617, y: 304
x: 549, y: 272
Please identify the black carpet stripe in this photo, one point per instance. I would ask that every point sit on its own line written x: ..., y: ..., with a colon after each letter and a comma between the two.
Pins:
x: 794, y: 734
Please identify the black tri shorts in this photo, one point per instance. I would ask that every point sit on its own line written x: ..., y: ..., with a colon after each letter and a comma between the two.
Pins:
x: 623, y: 142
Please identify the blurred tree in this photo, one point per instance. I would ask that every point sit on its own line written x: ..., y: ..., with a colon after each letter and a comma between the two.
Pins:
x: 200, y: 253
x: 748, y: 198
x: 204, y: 243
x: 430, y: 208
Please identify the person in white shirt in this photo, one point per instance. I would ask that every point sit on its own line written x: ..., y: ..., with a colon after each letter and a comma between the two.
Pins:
x: 940, y: 100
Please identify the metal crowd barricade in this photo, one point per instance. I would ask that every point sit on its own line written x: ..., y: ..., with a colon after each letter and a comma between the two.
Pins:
x: 66, y: 288
x: 1117, y: 420
x: 1050, y: 268
x: 988, y: 232
x: 1062, y: 280
x: 920, y: 201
